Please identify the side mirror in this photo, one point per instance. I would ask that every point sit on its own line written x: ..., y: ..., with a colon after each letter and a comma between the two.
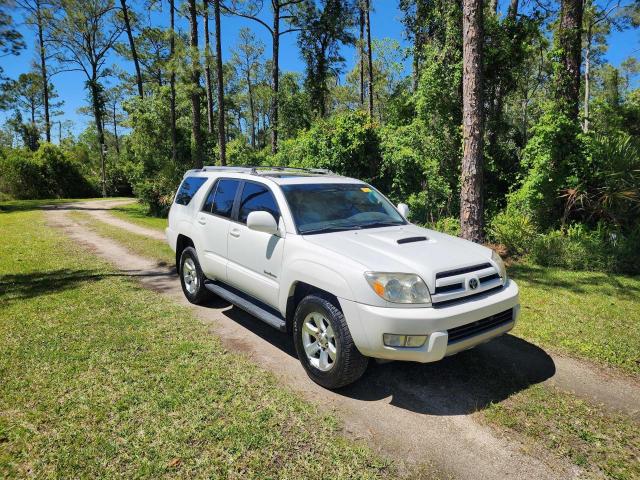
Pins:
x: 403, y: 208
x: 262, y: 221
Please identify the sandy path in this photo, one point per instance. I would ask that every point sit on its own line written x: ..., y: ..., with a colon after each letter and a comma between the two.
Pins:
x: 417, y: 413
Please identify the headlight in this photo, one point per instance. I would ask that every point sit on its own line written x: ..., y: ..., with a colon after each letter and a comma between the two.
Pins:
x: 500, y: 264
x: 399, y: 287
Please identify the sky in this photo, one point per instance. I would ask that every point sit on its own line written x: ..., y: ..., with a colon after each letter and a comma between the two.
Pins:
x: 385, y: 23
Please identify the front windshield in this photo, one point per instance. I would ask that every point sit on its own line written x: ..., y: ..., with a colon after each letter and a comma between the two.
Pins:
x: 328, y: 207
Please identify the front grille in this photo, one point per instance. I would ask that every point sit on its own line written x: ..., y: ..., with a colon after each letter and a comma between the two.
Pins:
x: 488, y: 278
x: 452, y: 286
x: 460, y: 271
x: 463, y: 332
x: 449, y: 288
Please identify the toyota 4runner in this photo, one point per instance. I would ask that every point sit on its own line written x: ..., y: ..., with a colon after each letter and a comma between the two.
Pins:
x: 331, y: 261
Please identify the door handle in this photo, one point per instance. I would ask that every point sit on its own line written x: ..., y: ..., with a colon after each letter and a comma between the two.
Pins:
x: 235, y: 233
x: 202, y: 221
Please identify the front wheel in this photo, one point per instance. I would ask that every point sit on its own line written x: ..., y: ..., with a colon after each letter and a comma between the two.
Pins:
x: 324, y: 344
x: 191, y: 277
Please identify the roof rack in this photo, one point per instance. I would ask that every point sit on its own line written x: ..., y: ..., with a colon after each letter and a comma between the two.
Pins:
x: 256, y: 170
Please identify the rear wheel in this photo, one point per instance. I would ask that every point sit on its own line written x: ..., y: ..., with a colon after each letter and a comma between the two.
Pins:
x: 191, y: 277
x: 324, y: 344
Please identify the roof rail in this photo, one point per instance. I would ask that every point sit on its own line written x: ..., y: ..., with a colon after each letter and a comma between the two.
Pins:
x: 215, y: 168
x: 280, y: 168
x: 256, y: 170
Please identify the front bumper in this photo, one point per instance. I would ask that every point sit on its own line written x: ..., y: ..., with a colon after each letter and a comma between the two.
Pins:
x: 367, y: 324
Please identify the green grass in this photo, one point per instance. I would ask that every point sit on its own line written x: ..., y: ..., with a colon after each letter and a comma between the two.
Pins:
x: 137, y: 213
x: 592, y: 438
x: 139, y: 244
x: 586, y: 314
x: 24, y: 205
x: 101, y: 378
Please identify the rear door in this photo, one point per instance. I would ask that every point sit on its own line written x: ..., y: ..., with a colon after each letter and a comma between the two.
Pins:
x: 213, y: 223
x: 255, y: 258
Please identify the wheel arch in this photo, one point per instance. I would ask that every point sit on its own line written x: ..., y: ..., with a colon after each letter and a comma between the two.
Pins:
x: 182, y: 242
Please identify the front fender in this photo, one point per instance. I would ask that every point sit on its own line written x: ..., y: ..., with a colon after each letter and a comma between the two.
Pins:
x: 314, y: 273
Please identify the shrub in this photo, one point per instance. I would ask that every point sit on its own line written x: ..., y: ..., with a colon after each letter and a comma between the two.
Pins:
x: 239, y: 152
x: 579, y: 248
x: 513, y: 229
x: 347, y: 143
x: 411, y: 173
x: 48, y: 173
x: 552, y: 154
x: 448, y: 225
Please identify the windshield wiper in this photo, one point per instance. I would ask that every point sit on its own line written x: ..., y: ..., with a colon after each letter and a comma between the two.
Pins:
x: 379, y: 224
x: 331, y: 229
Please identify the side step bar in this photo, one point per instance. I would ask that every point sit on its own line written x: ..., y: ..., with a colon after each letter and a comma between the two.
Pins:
x: 248, y: 304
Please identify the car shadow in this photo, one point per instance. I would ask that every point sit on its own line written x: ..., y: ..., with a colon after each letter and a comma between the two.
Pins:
x: 457, y: 385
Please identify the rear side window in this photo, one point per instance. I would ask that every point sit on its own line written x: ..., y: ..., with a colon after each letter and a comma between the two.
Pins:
x: 188, y: 189
x: 220, y: 199
x: 257, y: 197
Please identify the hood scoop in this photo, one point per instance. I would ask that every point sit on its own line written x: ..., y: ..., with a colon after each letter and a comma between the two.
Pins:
x: 411, y: 240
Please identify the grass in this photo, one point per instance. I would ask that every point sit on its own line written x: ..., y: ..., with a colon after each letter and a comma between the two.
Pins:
x: 137, y: 213
x: 101, y: 378
x: 139, y: 244
x: 598, y: 441
x: 585, y: 314
x: 24, y: 205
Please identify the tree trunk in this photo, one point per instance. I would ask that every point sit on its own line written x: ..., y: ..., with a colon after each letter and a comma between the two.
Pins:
x: 207, y: 68
x: 172, y: 84
x: 43, y: 73
x: 569, y: 41
x: 369, y: 56
x: 97, y: 115
x: 132, y: 44
x: 471, y: 204
x: 196, y: 148
x: 275, y: 76
x: 115, y: 130
x: 587, y: 78
x: 513, y: 9
x: 251, y: 109
x: 361, y: 50
x: 222, y: 141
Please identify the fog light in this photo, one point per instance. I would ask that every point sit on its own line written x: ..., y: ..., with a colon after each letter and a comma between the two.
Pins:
x: 393, y: 340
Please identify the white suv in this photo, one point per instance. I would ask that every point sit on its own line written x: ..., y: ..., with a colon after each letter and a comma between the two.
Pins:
x: 330, y: 260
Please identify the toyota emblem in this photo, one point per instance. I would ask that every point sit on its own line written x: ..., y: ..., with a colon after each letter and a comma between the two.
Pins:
x: 473, y: 283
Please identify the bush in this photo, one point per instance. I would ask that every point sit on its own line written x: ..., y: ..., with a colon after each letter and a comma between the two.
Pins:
x: 552, y: 155
x: 578, y: 248
x: 513, y: 229
x: 48, y: 173
x: 448, y: 225
x: 239, y: 152
x: 347, y: 143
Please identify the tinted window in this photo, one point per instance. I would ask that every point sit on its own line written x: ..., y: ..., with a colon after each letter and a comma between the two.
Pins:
x: 222, y: 200
x: 257, y: 197
x: 188, y: 189
x: 323, y: 207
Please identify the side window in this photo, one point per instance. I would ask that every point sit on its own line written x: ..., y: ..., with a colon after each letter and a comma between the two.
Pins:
x: 257, y: 197
x: 222, y: 200
x: 188, y: 189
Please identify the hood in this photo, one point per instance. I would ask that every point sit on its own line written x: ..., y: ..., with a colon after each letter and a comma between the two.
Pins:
x: 377, y: 249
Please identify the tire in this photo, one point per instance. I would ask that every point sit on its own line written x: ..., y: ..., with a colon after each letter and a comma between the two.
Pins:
x: 191, y: 277
x: 338, y: 361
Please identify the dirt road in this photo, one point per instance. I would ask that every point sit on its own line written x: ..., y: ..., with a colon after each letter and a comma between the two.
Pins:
x: 411, y: 412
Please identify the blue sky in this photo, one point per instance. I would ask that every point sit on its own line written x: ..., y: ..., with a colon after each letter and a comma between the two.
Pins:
x: 385, y: 22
